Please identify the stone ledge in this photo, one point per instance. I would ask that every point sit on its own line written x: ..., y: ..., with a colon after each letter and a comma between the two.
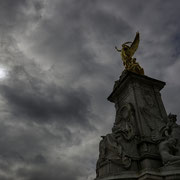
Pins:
x: 146, y: 175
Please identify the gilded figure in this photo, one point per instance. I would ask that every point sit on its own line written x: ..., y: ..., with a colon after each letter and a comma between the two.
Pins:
x: 127, y: 51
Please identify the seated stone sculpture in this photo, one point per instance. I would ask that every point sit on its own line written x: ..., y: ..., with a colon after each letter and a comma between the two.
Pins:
x: 110, y: 150
x: 171, y: 125
x: 167, y: 151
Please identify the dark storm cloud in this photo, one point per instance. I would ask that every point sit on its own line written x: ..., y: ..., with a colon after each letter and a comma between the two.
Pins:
x: 13, y: 14
x: 69, y: 34
x: 61, y: 67
x: 30, y: 97
x: 40, y: 101
x: 49, y: 172
x: 10, y: 10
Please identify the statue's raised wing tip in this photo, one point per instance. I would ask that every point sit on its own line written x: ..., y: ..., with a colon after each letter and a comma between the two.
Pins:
x: 135, y: 43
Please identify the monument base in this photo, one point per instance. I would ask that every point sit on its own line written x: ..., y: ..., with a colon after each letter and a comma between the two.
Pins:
x: 143, y: 144
x: 162, y: 174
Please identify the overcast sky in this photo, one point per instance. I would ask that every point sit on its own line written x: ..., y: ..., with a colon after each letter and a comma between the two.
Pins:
x: 57, y: 68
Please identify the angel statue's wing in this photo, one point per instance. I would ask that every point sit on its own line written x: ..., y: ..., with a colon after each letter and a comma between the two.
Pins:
x: 134, y: 44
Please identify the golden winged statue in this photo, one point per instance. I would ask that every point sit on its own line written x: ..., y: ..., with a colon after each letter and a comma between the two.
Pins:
x: 127, y: 52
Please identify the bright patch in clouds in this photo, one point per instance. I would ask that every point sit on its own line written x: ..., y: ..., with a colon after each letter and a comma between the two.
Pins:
x: 3, y: 72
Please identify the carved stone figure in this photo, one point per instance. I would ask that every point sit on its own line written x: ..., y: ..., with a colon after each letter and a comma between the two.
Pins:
x: 151, y: 115
x: 102, y: 152
x: 127, y: 52
x: 110, y: 150
x: 102, y: 149
x: 167, y: 151
x: 171, y: 125
x: 124, y: 122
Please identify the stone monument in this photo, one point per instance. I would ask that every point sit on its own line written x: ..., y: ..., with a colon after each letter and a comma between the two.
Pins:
x: 144, y: 143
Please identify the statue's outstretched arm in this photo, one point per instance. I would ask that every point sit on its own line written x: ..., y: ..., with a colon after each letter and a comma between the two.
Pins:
x: 119, y: 50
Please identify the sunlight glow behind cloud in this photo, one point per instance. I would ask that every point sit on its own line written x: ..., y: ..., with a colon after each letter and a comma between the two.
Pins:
x: 3, y: 72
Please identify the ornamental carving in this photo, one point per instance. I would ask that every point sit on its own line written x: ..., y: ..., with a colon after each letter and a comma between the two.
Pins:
x: 124, y: 122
